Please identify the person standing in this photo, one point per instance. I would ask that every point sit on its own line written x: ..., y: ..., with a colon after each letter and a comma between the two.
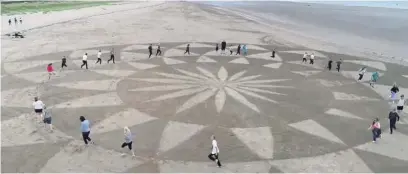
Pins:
x: 361, y: 73
x: 85, y: 60
x: 187, y: 49
x: 47, y: 118
x: 112, y: 56
x: 400, y: 105
x: 21, y: 21
x: 38, y: 108
x: 329, y: 65
x: 245, y: 50
x: 215, y: 151
x: 50, y: 70
x: 375, y: 129
x: 223, y: 47
x: 216, y: 48
x: 128, y: 140
x: 374, y: 77
x: 63, y: 62
x: 393, y: 117
x: 338, y: 65
x: 304, y: 60
x: 15, y: 20
x: 239, y: 50
x: 312, y: 59
x: 273, y: 53
x: 9, y: 21
x: 86, y: 130
x: 158, y: 50
x: 99, y: 55
x: 150, y: 50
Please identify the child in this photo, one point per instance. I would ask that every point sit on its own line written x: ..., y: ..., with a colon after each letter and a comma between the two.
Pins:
x: 374, y: 78
x: 47, y: 117
x: 245, y: 50
x: 50, y: 70
x: 375, y: 129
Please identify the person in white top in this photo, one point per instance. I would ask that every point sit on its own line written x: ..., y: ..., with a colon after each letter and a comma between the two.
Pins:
x: 85, y: 60
x: 38, y: 108
x: 400, y: 105
x: 214, y: 151
x: 304, y: 57
x: 99, y: 57
x: 361, y: 73
x: 312, y: 59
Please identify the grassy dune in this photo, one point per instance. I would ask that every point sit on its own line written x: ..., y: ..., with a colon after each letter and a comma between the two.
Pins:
x: 12, y: 8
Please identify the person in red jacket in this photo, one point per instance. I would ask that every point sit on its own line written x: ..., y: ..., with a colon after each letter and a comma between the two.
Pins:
x: 50, y: 70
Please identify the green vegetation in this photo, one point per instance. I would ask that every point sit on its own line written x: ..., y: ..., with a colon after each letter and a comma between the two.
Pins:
x: 12, y: 8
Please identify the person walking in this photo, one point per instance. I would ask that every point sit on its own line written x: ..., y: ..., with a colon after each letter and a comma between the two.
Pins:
x: 304, y: 60
x: 63, y: 62
x: 158, y: 50
x: 273, y: 53
x: 329, y: 65
x: 215, y: 151
x: 15, y: 21
x: 9, y: 21
x: 86, y: 130
x: 128, y: 140
x: 150, y: 50
x: 361, y: 73
x: 394, y: 91
x: 375, y: 128
x: 223, y: 47
x: 21, y: 21
x: 216, y: 48
x: 99, y: 55
x: 338, y: 65
x: 85, y: 60
x: 374, y: 77
x: 245, y: 50
x: 187, y: 49
x: 312, y: 59
x: 47, y: 118
x: 239, y: 50
x: 393, y: 117
x: 401, y: 103
x: 50, y: 70
x: 38, y: 108
x: 112, y: 56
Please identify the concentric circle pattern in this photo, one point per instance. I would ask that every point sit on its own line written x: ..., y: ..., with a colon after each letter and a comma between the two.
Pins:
x: 268, y: 114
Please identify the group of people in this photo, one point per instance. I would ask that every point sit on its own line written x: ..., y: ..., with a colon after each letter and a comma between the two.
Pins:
x: 15, y: 21
x: 394, y: 115
x: 50, y: 68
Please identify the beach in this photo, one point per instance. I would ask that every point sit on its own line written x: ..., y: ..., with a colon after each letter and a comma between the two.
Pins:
x: 194, y: 80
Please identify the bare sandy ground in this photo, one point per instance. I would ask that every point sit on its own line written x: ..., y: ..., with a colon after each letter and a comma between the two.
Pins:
x: 153, y: 22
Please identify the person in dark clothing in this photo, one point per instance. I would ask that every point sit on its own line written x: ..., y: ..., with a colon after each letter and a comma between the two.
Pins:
x: 394, y: 91
x: 63, y: 62
x: 393, y: 117
x: 158, y: 50
x: 187, y: 49
x: 21, y: 21
x: 338, y: 65
x: 150, y: 50
x: 9, y: 21
x: 329, y: 65
x: 15, y: 21
x: 223, y: 46
x: 239, y: 50
x: 273, y: 53
x: 216, y: 48
x: 112, y: 57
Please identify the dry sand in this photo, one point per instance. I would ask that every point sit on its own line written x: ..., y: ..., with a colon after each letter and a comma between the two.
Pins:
x: 147, y: 22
